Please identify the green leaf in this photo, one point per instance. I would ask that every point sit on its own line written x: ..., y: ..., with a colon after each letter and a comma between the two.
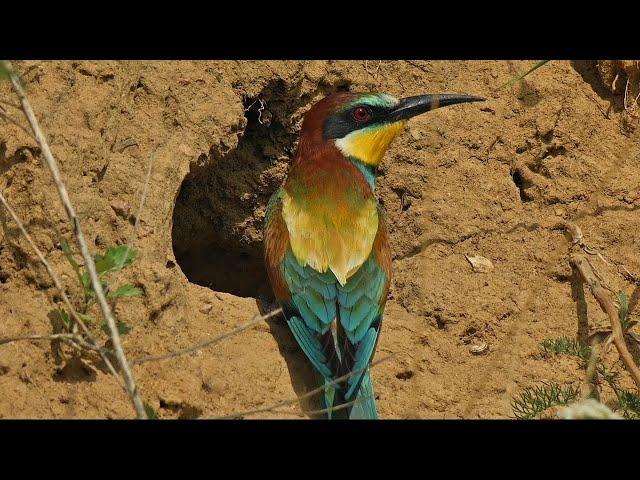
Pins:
x: 115, y: 259
x: 69, y: 255
x: 151, y: 413
x: 123, y: 328
x: 86, y: 318
x: 103, y: 263
x: 127, y: 290
x: 88, y: 288
x: 623, y: 311
x: 86, y: 281
x: 64, y: 316
x: 517, y: 78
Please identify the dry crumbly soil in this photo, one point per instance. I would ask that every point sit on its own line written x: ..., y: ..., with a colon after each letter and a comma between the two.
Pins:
x: 496, y: 179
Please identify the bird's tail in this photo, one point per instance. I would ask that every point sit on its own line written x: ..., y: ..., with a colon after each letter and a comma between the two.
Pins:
x: 364, y: 407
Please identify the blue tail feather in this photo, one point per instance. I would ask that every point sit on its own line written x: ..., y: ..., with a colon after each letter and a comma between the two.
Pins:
x: 364, y: 407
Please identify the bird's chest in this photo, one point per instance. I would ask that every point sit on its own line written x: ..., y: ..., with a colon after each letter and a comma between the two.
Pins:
x: 332, y: 225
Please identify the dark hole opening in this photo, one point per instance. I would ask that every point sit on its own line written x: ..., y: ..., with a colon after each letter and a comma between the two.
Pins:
x: 219, y: 213
x: 231, y: 272
x: 519, y: 182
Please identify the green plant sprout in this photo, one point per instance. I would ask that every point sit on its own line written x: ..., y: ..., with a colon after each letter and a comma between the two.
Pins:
x: 517, y: 78
x: 567, y: 346
x: 623, y: 311
x: 534, y: 400
x: 151, y: 413
x: 113, y: 260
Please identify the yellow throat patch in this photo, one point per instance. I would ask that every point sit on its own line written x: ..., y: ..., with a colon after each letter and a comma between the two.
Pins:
x: 369, y: 144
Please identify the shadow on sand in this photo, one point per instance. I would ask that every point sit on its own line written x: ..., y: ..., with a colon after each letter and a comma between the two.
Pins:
x: 303, y: 376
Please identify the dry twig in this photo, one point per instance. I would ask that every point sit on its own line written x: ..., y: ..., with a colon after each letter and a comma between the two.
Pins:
x: 582, y: 265
x: 132, y: 388
x: 143, y: 197
x: 589, y: 388
x: 56, y: 336
x: 276, y: 406
x: 92, y: 344
x: 245, y: 326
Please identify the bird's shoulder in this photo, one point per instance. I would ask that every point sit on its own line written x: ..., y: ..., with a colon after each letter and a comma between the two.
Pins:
x: 276, y: 244
x: 274, y: 205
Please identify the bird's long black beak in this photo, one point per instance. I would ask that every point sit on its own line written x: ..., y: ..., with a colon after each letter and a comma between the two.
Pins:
x: 412, y: 106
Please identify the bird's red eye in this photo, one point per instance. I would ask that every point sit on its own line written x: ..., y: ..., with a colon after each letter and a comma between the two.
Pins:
x: 361, y: 114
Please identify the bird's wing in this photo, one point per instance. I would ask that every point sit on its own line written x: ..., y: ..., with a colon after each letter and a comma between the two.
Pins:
x: 308, y: 297
x: 276, y: 244
x: 360, y: 309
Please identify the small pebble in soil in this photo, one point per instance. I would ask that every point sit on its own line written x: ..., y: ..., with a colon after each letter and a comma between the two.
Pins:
x: 122, y: 208
x: 206, y: 308
x: 479, y: 348
x: 480, y: 264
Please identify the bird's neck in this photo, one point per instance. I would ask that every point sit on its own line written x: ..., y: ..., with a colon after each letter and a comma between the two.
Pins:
x: 315, y: 157
x: 369, y: 172
x: 324, y: 172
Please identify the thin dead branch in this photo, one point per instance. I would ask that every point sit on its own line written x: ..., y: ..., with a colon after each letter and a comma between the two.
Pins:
x: 74, y: 340
x: 56, y: 336
x: 276, y: 406
x: 143, y: 197
x: 577, y: 238
x: 589, y: 388
x: 375, y: 73
x: 185, y: 351
x: 582, y: 265
x: 92, y: 344
x: 132, y: 388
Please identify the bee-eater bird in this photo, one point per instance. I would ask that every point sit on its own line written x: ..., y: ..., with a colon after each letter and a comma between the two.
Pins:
x: 326, y: 246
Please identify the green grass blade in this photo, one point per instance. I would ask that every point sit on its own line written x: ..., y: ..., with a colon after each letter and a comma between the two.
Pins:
x: 521, y: 77
x: 69, y: 255
x: 623, y: 311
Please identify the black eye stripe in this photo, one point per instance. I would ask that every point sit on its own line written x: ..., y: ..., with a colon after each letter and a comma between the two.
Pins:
x: 342, y: 123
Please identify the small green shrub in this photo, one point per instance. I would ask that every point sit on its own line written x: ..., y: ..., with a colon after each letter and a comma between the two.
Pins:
x: 113, y: 260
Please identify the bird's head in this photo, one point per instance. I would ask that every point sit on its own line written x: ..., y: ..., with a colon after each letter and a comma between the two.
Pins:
x: 362, y: 126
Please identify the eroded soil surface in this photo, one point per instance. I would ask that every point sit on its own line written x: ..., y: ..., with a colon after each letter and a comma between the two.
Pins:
x: 496, y: 179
